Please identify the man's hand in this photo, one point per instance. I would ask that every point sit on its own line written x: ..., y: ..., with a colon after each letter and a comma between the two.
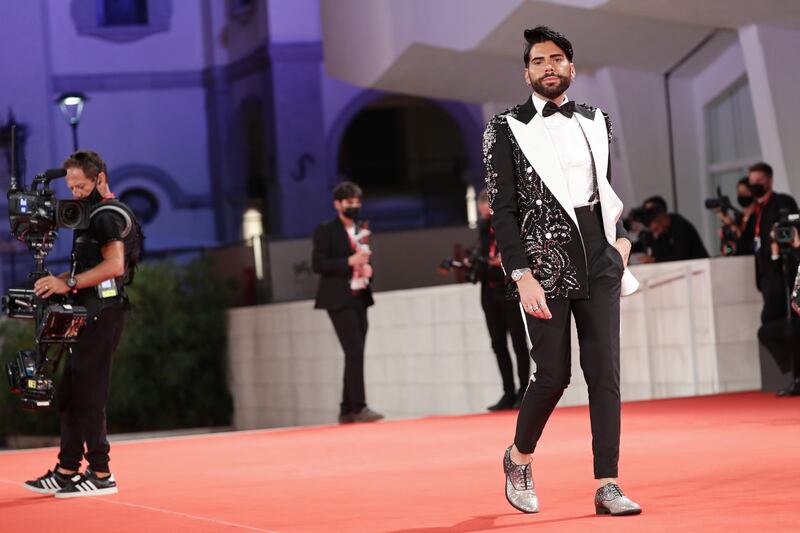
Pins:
x: 366, y: 270
x: 531, y: 296
x: 49, y: 285
x: 623, y: 246
x: 361, y: 257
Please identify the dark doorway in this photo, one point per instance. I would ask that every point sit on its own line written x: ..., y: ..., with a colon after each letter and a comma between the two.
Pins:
x: 409, y: 157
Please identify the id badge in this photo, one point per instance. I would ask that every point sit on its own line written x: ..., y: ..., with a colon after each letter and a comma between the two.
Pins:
x: 108, y: 289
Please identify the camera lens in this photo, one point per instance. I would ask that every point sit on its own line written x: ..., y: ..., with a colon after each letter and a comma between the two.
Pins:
x: 72, y: 214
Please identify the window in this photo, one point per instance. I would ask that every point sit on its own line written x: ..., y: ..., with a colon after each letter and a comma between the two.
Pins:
x: 732, y: 142
x: 122, y: 13
x: 121, y: 21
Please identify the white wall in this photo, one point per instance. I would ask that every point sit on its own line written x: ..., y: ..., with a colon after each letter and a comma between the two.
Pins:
x: 428, y: 351
x: 771, y: 57
x: 74, y: 53
x: 25, y: 63
x: 693, y: 87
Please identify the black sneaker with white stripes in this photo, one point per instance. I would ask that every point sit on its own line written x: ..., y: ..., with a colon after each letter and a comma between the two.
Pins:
x: 50, y: 483
x: 88, y: 484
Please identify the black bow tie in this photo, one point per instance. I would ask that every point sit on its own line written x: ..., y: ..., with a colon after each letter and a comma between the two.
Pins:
x: 551, y: 109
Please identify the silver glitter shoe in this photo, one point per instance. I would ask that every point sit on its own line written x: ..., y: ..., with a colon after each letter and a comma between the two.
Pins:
x: 520, y: 491
x: 609, y: 499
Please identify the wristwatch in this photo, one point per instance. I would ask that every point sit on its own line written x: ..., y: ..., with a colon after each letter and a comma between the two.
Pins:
x: 72, y: 283
x: 517, y: 274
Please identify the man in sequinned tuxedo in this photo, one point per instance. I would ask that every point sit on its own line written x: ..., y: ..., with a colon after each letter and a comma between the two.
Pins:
x: 564, y: 249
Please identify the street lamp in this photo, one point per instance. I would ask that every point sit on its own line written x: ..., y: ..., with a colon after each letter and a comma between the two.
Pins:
x: 71, y: 105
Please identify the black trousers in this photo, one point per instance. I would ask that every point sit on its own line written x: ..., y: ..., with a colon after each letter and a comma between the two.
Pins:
x: 350, y: 323
x: 776, y: 305
x: 503, y: 317
x: 84, y: 389
x: 597, y: 320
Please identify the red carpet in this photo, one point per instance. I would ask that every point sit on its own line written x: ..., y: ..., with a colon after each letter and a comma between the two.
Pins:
x: 722, y: 463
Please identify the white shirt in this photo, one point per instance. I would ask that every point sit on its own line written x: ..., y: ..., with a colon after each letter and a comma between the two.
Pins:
x: 358, y: 281
x: 572, y: 152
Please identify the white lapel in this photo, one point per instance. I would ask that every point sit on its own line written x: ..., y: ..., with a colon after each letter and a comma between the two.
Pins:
x: 609, y: 201
x: 535, y: 143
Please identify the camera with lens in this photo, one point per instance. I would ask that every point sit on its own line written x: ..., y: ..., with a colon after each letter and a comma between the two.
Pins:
x: 786, y: 229
x: 644, y: 215
x: 721, y: 202
x: 35, y: 216
x: 470, y: 267
x: 729, y: 238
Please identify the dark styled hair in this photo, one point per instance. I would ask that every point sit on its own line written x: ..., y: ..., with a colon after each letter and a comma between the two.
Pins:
x: 345, y: 190
x: 761, y: 167
x: 541, y: 34
x: 658, y: 202
x: 90, y: 162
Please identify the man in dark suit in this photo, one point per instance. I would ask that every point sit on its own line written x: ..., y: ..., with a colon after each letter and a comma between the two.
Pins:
x: 557, y: 223
x: 770, y: 278
x: 341, y: 258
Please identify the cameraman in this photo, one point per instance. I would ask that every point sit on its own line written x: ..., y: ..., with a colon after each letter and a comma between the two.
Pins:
x: 105, y: 254
x: 503, y: 316
x: 770, y: 278
x: 672, y: 237
x: 734, y: 223
x: 782, y: 337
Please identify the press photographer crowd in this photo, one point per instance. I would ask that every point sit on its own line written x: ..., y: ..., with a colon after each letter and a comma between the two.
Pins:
x: 763, y: 223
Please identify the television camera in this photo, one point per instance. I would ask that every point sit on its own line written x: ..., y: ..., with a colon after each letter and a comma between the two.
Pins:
x: 35, y: 216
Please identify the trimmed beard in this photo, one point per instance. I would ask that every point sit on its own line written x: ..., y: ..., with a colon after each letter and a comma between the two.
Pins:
x: 551, y: 93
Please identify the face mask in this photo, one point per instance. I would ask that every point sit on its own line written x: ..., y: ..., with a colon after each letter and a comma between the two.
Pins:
x: 352, y: 213
x: 758, y: 190
x: 745, y: 201
x: 94, y: 197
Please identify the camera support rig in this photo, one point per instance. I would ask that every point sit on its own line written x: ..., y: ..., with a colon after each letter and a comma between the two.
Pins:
x: 34, y: 217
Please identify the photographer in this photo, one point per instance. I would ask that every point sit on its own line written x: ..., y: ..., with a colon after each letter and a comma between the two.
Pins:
x: 503, y: 316
x: 734, y: 222
x: 670, y: 236
x: 770, y: 278
x: 782, y: 337
x: 105, y: 255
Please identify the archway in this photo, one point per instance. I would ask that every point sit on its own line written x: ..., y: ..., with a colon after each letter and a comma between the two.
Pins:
x: 409, y: 156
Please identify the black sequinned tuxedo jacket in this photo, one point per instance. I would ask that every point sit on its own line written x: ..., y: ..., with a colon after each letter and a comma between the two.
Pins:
x: 532, y: 212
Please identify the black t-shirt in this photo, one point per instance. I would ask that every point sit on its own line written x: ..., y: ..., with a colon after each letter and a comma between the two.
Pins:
x: 107, y: 226
x: 681, y: 241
